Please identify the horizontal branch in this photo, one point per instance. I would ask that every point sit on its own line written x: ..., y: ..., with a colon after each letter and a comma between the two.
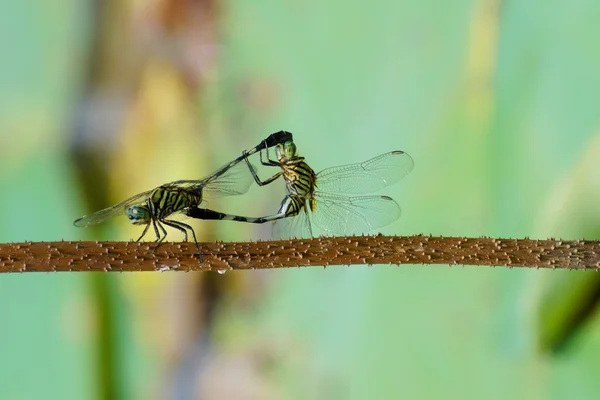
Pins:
x: 323, y: 251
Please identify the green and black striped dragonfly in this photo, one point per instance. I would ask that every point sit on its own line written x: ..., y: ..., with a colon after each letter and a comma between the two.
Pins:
x: 154, y: 207
x: 320, y: 196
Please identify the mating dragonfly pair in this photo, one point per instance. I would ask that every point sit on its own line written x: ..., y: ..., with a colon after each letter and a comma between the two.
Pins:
x: 310, y: 196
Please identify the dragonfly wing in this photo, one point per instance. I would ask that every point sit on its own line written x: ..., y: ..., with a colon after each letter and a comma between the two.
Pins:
x: 354, y: 215
x: 118, y: 209
x: 366, y: 177
x: 296, y: 227
x: 230, y: 180
x: 233, y: 182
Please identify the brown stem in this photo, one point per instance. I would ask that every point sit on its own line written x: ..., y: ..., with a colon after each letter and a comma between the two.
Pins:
x: 323, y: 251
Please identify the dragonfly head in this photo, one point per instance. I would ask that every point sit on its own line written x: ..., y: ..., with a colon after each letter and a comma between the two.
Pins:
x: 285, y: 151
x: 138, y: 215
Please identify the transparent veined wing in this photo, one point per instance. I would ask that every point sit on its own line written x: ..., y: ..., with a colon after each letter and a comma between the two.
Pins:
x: 227, y: 181
x: 294, y: 227
x: 118, y: 209
x: 234, y: 178
x: 366, y: 177
x: 354, y: 215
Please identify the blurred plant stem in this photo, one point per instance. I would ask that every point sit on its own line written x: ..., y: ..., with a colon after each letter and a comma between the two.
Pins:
x: 145, y: 66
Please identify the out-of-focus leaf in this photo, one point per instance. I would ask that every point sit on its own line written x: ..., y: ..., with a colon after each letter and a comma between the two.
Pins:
x: 565, y: 301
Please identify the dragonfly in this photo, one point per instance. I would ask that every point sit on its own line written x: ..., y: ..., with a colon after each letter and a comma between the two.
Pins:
x: 155, y: 207
x: 320, y: 196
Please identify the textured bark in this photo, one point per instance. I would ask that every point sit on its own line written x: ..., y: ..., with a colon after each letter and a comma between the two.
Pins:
x: 323, y: 251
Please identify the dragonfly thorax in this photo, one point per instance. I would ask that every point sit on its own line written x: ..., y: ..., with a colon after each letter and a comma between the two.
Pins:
x: 299, y: 177
x: 138, y: 214
x: 167, y: 200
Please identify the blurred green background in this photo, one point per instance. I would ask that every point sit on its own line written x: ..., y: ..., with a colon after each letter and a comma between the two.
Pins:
x: 495, y: 101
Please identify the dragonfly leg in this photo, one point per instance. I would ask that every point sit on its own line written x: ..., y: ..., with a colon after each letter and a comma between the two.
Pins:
x: 269, y: 162
x: 155, y: 230
x: 159, y: 238
x: 195, y: 242
x: 258, y: 181
x: 143, y: 232
x: 180, y: 226
x: 184, y: 228
x: 266, y: 181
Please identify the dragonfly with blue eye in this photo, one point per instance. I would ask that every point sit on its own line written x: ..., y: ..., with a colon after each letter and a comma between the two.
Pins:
x: 154, y: 207
x: 319, y: 196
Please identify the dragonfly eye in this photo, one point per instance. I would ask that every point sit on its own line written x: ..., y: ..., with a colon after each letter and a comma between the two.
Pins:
x: 138, y: 214
x: 286, y: 150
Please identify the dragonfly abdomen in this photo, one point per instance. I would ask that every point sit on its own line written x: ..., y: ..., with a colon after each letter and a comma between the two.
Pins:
x: 206, y: 214
x: 292, y: 205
